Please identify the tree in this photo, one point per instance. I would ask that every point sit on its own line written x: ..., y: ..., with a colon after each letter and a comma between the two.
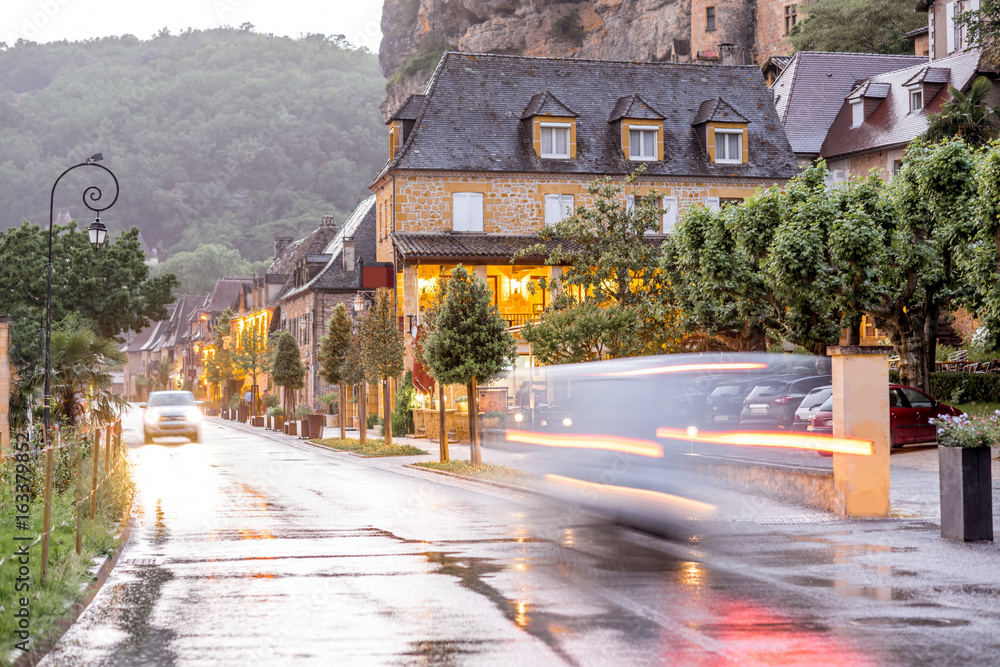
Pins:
x: 859, y: 26
x: 964, y: 116
x: 470, y: 342
x: 81, y: 364
x: 199, y: 270
x: 219, y: 369
x: 382, y: 350
x: 984, y: 261
x: 610, y: 263
x: 352, y: 372
x: 982, y: 28
x: 109, y: 290
x: 333, y: 349
x: 428, y: 323
x: 251, y: 358
x: 286, y: 369
x: 163, y: 374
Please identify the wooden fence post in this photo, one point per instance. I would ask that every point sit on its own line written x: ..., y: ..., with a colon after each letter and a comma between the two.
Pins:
x: 47, y: 514
x: 95, y: 455
x: 79, y: 501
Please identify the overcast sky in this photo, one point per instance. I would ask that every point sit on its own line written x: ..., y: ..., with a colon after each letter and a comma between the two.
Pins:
x: 53, y: 20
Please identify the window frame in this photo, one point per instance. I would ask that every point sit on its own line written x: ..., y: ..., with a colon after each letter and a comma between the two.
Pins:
x: 791, y: 17
x: 568, y: 128
x: 739, y: 146
x: 709, y: 19
x: 566, y: 203
x: 916, y: 94
x: 468, y: 224
x: 656, y: 143
x: 857, y: 111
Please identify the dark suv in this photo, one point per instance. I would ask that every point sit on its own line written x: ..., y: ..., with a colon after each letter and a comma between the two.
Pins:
x: 772, y: 403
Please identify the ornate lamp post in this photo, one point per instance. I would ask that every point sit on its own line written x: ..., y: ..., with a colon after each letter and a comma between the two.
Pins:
x: 97, y: 233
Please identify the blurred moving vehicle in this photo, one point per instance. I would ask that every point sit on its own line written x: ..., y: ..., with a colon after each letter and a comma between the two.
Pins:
x: 910, y: 415
x: 170, y: 413
x: 772, y: 403
x: 809, y: 405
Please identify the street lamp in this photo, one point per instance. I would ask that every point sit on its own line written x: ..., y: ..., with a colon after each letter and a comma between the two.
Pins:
x: 97, y: 233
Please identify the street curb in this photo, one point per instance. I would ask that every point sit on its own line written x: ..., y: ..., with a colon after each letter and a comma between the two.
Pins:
x: 488, y: 482
x: 77, y: 608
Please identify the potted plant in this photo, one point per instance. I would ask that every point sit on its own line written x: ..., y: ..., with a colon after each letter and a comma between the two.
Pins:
x: 277, y: 417
x: 332, y: 403
x: 964, y: 448
x: 462, y: 403
x: 234, y: 406
x: 302, y: 418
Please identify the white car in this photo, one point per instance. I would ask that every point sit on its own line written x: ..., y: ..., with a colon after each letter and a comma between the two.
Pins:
x: 170, y: 413
x: 809, y: 405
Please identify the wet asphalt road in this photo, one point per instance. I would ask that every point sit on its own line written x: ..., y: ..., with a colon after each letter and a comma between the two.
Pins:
x: 245, y: 550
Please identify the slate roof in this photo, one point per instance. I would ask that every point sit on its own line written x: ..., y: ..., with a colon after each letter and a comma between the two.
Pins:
x: 313, y: 244
x: 718, y: 110
x: 922, y: 30
x: 225, y: 292
x: 633, y: 106
x: 443, y: 244
x: 361, y: 226
x: 471, y: 119
x: 409, y: 109
x: 809, y: 92
x: 892, y: 123
x: 546, y: 104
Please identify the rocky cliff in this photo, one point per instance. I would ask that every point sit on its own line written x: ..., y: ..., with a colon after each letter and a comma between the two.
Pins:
x: 417, y: 32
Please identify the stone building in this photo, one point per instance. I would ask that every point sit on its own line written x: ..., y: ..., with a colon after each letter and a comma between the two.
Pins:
x: 501, y: 145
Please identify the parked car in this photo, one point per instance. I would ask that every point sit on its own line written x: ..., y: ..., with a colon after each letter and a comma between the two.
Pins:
x: 809, y: 405
x: 170, y: 413
x: 910, y: 415
x: 771, y: 404
x: 724, y: 403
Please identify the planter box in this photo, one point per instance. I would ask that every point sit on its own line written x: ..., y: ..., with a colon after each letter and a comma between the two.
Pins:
x: 291, y: 428
x: 966, y: 493
x: 316, y: 425
x: 257, y: 421
x: 278, y: 422
x: 304, y: 428
x: 332, y: 421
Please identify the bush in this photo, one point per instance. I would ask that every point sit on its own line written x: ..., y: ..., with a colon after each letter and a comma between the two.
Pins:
x: 332, y: 402
x: 373, y: 420
x: 953, y: 387
x: 406, y: 400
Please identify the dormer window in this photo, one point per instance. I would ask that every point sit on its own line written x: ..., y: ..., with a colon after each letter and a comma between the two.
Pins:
x: 726, y: 132
x: 728, y: 146
x: 642, y: 143
x: 555, y: 138
x: 857, y: 113
x: 553, y: 127
x: 916, y: 100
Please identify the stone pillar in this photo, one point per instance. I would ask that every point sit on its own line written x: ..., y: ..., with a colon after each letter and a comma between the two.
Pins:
x: 861, y: 410
x: 4, y: 386
x: 479, y: 270
x: 411, y: 306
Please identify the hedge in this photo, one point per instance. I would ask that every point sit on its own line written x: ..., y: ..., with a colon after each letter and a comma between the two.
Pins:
x: 961, y: 387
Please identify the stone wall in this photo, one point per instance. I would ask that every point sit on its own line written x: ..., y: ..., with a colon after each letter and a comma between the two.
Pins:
x: 771, y: 37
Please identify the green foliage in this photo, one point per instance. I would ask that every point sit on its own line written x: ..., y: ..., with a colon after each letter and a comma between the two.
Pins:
x: 222, y: 134
x: 470, y: 339
x: 333, y: 347
x: 81, y: 374
x: 964, y: 116
x: 271, y: 400
x: 607, y: 258
x: 372, y: 447
x: 286, y: 368
x: 982, y: 27
x: 859, y: 26
x: 352, y: 370
x: 963, y: 387
x: 406, y: 402
x: 108, y: 289
x: 382, y: 348
x: 373, y: 420
x: 331, y: 401
x: 491, y: 471
x: 199, y: 270
x: 424, y: 62
x: 251, y: 358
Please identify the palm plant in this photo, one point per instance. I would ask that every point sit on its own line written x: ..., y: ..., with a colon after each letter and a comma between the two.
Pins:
x: 81, y: 374
x: 964, y: 115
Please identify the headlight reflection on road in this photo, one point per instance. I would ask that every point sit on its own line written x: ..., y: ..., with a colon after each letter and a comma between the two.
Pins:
x: 628, y: 498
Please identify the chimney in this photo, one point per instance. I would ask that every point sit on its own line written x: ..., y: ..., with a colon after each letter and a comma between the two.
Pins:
x: 348, y: 254
x: 329, y: 221
x: 280, y: 243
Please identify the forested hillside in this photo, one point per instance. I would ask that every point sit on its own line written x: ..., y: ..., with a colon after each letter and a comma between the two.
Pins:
x: 220, y: 136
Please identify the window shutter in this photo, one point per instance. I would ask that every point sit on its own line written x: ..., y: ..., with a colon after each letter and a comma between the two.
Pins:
x: 566, y: 205
x: 460, y: 212
x: 949, y: 25
x: 546, y: 141
x: 712, y: 203
x: 629, y: 203
x: 552, y: 209
x: 475, y: 211
x: 669, y: 214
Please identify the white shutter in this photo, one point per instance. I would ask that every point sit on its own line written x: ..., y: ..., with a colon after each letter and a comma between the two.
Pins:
x: 475, y: 211
x: 712, y: 203
x: 552, y: 209
x: 669, y: 214
x: 949, y: 25
x: 460, y: 212
x: 566, y: 204
x: 629, y: 203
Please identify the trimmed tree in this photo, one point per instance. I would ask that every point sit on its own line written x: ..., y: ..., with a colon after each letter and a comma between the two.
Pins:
x: 352, y: 372
x: 287, y: 370
x: 332, y: 351
x: 470, y: 342
x: 382, y: 350
x: 427, y: 324
x: 251, y: 359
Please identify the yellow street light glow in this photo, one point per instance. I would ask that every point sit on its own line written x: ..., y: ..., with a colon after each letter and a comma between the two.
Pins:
x: 819, y: 443
x: 645, y: 498
x: 608, y: 443
x: 687, y: 368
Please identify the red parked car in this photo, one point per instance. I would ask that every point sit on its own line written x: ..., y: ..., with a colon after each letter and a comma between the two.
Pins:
x: 910, y: 415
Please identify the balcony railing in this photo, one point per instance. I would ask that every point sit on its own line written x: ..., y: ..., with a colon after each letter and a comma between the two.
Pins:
x: 518, y: 320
